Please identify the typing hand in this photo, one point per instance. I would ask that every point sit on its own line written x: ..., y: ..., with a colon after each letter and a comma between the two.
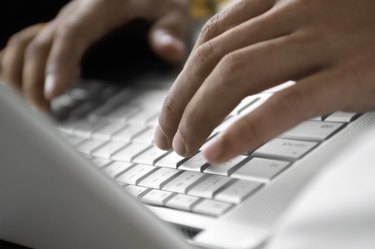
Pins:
x: 327, y: 47
x: 42, y: 61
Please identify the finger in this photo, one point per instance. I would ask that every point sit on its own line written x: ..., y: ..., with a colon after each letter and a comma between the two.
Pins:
x: 204, y: 60
x: 239, y: 74
x: 73, y: 37
x: 168, y: 36
x: 33, y: 72
x: 308, y: 98
x: 236, y: 14
x: 13, y: 55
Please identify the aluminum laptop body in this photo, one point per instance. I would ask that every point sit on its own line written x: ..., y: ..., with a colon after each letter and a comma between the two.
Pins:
x: 53, y: 197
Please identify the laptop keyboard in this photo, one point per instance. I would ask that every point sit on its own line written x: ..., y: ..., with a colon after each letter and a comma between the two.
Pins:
x: 114, y: 128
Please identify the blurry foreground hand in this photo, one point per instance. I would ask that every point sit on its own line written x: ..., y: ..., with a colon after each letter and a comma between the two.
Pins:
x: 43, y: 60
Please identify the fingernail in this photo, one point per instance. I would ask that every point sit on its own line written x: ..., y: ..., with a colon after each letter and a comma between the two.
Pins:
x: 161, y: 139
x: 166, y: 39
x: 214, y: 152
x: 179, y: 144
x: 49, y: 86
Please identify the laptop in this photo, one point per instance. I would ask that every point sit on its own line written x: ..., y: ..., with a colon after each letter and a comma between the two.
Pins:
x: 91, y: 177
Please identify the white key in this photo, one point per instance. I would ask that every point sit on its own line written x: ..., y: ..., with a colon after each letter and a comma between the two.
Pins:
x: 145, y: 137
x: 150, y: 156
x: 183, y: 202
x: 88, y: 146
x: 172, y: 160
x: 159, y: 178
x: 116, y: 168
x: 312, y: 130
x: 342, y: 117
x: 107, y: 150
x: 209, y: 141
x: 197, y: 163
x: 209, y: 186
x: 128, y: 153
x: 144, y: 115
x: 156, y: 197
x: 262, y: 98
x: 100, y: 162
x: 285, y: 149
x: 245, y: 103
x: 211, y: 207
x: 74, y: 140
x: 136, y: 174
x: 67, y: 127
x: 136, y: 191
x: 129, y: 132
x: 237, y: 191
x: 107, y: 131
x: 260, y: 169
x: 85, y: 128
x: 226, y: 168
x: 122, y: 113
x: 153, y: 121
x: 184, y: 182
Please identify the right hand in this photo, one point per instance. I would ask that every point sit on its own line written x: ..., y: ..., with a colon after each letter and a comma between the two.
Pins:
x: 42, y: 61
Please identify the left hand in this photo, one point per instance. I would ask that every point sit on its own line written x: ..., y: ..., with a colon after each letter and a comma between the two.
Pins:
x: 326, y: 46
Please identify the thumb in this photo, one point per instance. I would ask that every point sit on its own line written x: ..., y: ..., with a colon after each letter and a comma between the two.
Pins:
x: 167, y: 37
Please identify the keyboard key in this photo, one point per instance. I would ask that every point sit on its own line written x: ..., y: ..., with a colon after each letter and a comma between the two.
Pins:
x: 285, y: 149
x: 238, y: 191
x: 136, y: 190
x: 342, y: 117
x: 184, y: 182
x: 122, y: 113
x: 211, y: 207
x: 107, y: 150
x: 245, y: 103
x: 100, y: 162
x: 144, y: 115
x: 156, y: 197
x: 312, y: 130
x: 129, y: 132
x: 172, y: 160
x: 116, y: 168
x: 85, y: 129
x: 159, y: 178
x: 107, y: 131
x: 209, y: 186
x: 195, y: 163
x: 260, y: 169
x: 89, y: 146
x: 129, y: 152
x: 226, y: 168
x: 145, y: 137
x: 150, y: 156
x: 136, y: 174
x: 74, y: 141
x: 182, y: 202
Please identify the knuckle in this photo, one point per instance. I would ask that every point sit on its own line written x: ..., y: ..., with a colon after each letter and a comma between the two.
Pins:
x: 16, y: 40
x: 203, y: 53
x: 68, y: 31
x: 211, y: 28
x: 37, y: 47
x: 230, y: 63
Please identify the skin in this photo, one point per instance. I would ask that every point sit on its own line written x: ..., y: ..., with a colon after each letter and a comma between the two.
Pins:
x: 325, y: 46
x: 43, y: 60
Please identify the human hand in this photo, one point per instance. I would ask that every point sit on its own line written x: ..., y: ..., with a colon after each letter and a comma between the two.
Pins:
x: 327, y: 47
x: 42, y: 61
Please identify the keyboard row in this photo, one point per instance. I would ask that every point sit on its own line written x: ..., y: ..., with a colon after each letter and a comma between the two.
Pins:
x: 189, y: 191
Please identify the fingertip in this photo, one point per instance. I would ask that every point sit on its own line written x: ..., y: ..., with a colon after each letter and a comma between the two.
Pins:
x: 49, y: 87
x: 168, y: 46
x: 161, y: 139
x: 214, y: 153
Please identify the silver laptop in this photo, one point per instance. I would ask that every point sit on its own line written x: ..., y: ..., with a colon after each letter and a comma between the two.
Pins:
x: 94, y: 179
